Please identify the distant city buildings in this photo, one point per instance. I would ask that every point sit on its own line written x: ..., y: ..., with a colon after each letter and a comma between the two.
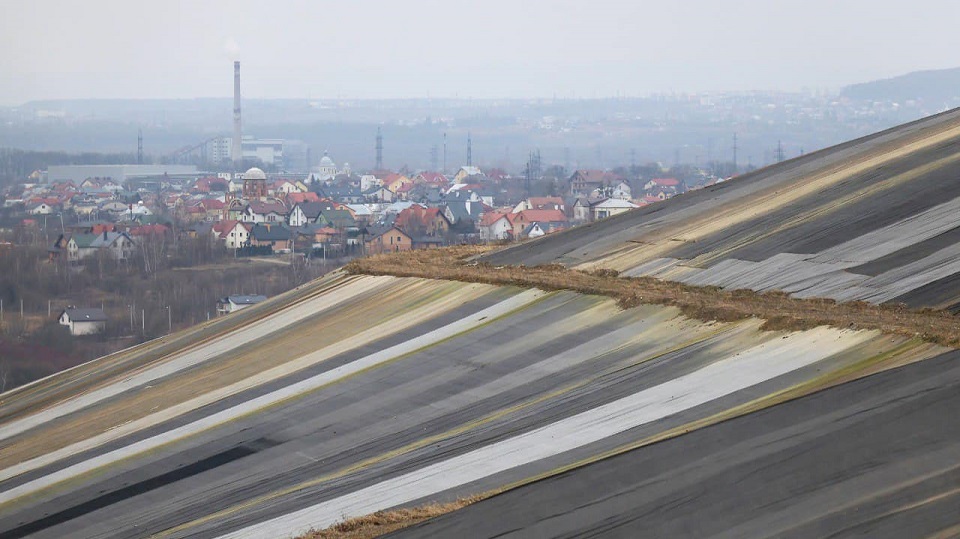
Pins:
x: 291, y: 155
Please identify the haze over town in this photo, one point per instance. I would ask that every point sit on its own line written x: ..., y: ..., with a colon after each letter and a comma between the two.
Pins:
x: 497, y: 48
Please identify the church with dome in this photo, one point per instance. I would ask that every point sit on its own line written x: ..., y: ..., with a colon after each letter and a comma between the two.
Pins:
x: 327, y: 170
x: 254, y: 184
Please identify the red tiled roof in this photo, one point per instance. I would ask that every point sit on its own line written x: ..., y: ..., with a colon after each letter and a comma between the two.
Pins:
x: 492, y: 217
x: 666, y: 182
x: 539, y: 203
x: 541, y: 216
x: 297, y: 198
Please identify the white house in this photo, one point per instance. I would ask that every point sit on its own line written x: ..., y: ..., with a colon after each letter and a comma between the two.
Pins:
x: 369, y: 181
x: 231, y: 304
x: 83, y: 321
x: 234, y: 234
x: 140, y: 209
x: 41, y: 209
x: 496, y: 226
x: 305, y: 212
x: 118, y: 244
x: 611, y: 206
x: 533, y: 231
x: 622, y: 191
x: 286, y: 187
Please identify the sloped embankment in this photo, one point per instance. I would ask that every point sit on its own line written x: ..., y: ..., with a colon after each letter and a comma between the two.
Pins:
x: 780, y: 311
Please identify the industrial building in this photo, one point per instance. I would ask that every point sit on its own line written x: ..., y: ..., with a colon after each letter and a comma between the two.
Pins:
x: 118, y: 173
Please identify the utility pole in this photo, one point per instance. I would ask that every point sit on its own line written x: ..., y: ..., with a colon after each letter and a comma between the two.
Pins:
x: 779, y: 152
x: 143, y: 321
x: 169, y: 321
x: 735, y: 167
x: 379, y: 149
x: 469, y: 150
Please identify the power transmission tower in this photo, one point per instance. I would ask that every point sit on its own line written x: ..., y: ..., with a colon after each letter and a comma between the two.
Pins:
x: 779, y: 152
x: 434, y: 152
x: 379, y: 150
x: 444, y: 153
x: 532, y: 170
x: 140, y: 146
x: 469, y: 150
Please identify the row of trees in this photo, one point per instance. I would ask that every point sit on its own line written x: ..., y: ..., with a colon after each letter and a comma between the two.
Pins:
x: 165, y: 283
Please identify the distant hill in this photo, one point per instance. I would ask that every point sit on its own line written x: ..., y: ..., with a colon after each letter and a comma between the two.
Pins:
x: 941, y: 85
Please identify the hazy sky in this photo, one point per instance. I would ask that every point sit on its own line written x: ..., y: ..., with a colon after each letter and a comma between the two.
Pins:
x: 481, y: 48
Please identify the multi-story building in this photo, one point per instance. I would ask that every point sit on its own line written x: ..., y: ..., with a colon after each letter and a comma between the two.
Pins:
x: 266, y: 151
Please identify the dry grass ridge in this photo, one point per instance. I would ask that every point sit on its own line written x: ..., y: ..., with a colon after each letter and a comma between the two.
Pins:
x: 381, y: 522
x: 780, y: 311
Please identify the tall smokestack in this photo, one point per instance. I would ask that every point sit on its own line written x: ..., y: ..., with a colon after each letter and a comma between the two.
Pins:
x: 237, y: 149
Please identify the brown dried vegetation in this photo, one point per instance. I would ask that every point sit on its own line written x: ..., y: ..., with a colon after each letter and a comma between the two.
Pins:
x: 780, y: 311
x: 382, y: 522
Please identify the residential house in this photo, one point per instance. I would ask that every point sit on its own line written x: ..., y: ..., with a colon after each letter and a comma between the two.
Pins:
x: 420, y: 221
x: 665, y: 184
x: 114, y: 208
x: 41, y: 208
x: 235, y: 303
x: 259, y: 211
x: 584, y: 182
x: 281, y: 188
x: 540, y: 203
x: 532, y: 231
x: 387, y: 239
x: 347, y: 194
x: 392, y: 182
x: 496, y: 226
x: 233, y: 234
x: 145, y: 233
x: 118, y: 245
x: 610, y: 207
x: 622, y: 191
x: 431, y: 178
x: 582, y: 208
x: 464, y: 215
x: 314, y: 236
x: 305, y: 213
x: 273, y: 235
x: 467, y: 172
x: 549, y: 221
x: 292, y: 199
x: 339, y: 219
x: 368, y: 182
x: 379, y: 193
x: 362, y: 213
x: 236, y: 209
x: 213, y: 209
x: 83, y: 321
